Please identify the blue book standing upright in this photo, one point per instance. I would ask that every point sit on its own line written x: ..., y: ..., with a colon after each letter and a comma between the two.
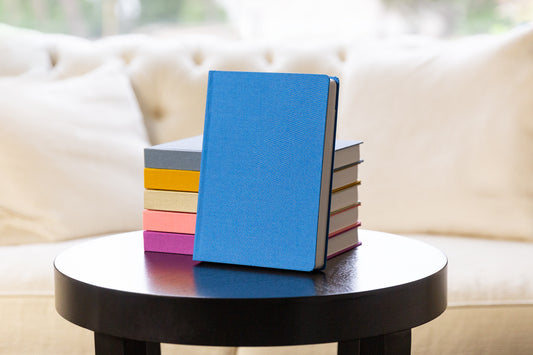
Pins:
x: 266, y: 167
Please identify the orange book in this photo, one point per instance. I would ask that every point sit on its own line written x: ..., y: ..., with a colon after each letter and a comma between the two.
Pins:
x: 172, y: 222
x: 174, y: 180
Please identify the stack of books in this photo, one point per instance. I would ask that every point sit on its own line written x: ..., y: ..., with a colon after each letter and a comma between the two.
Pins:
x: 343, y: 219
x: 171, y: 179
x: 172, y: 172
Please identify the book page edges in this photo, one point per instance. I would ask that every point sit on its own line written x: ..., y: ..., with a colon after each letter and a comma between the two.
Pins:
x: 327, y: 172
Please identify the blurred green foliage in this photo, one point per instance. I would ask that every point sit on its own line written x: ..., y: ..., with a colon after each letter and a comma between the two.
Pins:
x: 459, y: 17
x: 87, y: 17
x: 52, y: 15
x: 94, y: 18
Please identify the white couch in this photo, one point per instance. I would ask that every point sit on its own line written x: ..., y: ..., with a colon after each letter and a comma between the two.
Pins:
x: 448, y: 132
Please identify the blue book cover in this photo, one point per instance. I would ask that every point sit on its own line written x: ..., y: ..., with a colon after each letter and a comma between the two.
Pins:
x: 266, y: 167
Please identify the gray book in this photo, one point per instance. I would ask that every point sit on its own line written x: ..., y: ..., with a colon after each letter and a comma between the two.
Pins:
x: 184, y: 154
x: 346, y: 153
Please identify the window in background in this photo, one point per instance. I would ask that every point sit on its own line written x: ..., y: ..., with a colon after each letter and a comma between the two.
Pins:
x: 348, y: 18
x: 271, y: 19
x: 458, y: 17
x: 95, y: 18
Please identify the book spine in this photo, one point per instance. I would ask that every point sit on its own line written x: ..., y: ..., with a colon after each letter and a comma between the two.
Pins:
x: 171, y: 159
x: 176, y: 201
x: 330, y: 133
x: 170, y: 179
x: 205, y: 154
x: 168, y: 242
x: 166, y: 221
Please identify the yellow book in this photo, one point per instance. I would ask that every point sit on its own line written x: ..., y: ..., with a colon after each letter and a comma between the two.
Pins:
x: 174, y: 180
x: 177, y: 201
x: 355, y: 183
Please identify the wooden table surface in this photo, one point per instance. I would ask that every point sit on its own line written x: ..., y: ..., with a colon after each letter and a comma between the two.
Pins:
x: 367, y: 299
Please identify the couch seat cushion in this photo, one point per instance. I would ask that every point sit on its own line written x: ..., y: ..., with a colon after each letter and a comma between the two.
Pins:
x: 485, y: 271
x: 480, y: 271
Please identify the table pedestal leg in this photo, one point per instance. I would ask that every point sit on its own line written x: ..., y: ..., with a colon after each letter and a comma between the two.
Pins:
x: 348, y: 347
x: 107, y: 344
x: 389, y: 344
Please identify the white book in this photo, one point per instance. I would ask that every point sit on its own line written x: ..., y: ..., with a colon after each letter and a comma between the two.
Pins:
x: 342, y: 242
x: 346, y: 153
x: 343, y: 218
x: 345, y: 196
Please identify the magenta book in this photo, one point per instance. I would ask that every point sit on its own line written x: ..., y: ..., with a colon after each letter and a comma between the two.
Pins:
x: 164, y: 242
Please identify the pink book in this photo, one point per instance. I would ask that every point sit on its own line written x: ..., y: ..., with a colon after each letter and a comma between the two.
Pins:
x: 166, y: 221
x: 343, y: 240
x: 163, y: 242
x: 340, y: 231
x: 344, y: 250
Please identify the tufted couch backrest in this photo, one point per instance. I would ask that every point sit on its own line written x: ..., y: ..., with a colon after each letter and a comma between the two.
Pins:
x: 447, y: 125
x: 169, y: 76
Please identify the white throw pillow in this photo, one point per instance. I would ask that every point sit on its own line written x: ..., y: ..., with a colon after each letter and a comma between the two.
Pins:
x: 22, y: 52
x: 71, y: 157
x: 448, y: 132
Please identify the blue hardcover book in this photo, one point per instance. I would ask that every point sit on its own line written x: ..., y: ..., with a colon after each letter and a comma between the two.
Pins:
x: 266, y: 167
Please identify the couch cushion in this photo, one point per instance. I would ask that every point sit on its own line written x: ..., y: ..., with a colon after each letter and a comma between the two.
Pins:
x: 487, y: 330
x: 71, y: 156
x: 490, y: 302
x: 486, y: 272
x: 19, y: 58
x: 446, y: 124
x: 30, y: 325
x: 448, y: 134
x: 27, y: 270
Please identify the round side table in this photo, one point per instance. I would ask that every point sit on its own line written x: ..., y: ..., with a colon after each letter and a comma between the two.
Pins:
x: 367, y: 299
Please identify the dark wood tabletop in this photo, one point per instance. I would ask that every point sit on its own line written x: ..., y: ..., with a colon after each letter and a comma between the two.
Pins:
x: 367, y: 299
